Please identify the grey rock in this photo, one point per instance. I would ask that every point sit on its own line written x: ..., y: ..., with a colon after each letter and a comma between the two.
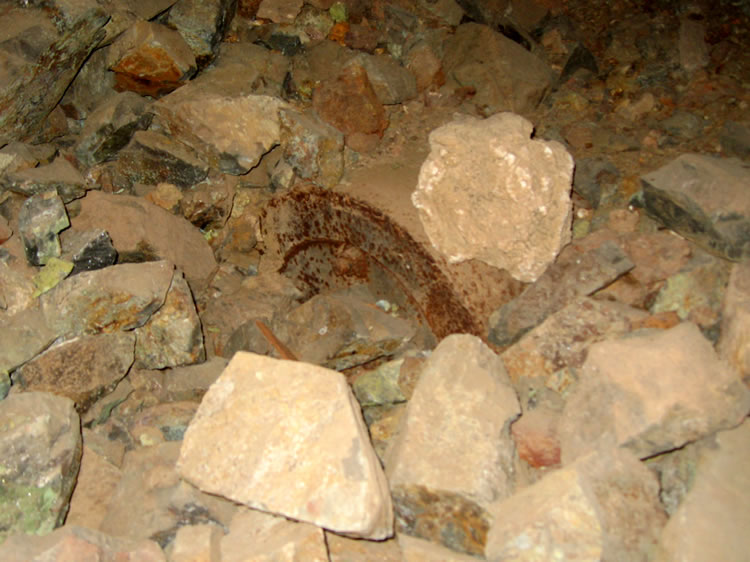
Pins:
x: 705, y: 199
x: 41, y: 217
x: 60, y: 175
x: 88, y: 250
x: 735, y: 139
x: 202, y: 23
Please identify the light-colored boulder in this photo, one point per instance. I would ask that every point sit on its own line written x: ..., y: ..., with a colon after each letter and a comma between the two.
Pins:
x: 651, y: 393
x: 288, y: 438
x: 487, y: 191
x: 454, y: 455
x: 734, y: 342
x: 602, y: 507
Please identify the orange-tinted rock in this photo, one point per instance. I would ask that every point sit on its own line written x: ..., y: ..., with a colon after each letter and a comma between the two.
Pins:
x: 151, y: 59
x: 350, y: 104
x: 535, y: 434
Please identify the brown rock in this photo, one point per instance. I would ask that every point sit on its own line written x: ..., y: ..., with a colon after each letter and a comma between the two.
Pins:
x: 82, y: 369
x: 343, y: 549
x: 96, y: 484
x: 535, y: 435
x: 120, y: 297
x: 279, y: 11
x: 197, y: 543
x: 141, y: 229
x: 172, y: 336
x: 349, y: 103
x: 151, y: 59
x: 651, y: 393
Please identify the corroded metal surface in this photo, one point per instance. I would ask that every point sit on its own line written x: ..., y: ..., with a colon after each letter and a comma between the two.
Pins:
x: 322, y: 237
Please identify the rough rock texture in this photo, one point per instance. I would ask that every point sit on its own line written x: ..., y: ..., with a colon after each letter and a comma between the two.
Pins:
x: 257, y: 536
x: 60, y: 175
x: 231, y: 132
x: 602, y: 507
x: 202, y: 25
x: 576, y: 273
x: 461, y: 408
x: 288, y: 438
x: 651, y: 393
x: 39, y: 59
x: 172, y: 336
x: 107, y: 358
x: 712, y: 521
x: 734, y: 343
x: 77, y: 544
x: 506, y: 76
x: 40, y: 447
x: 151, y: 59
x: 141, y: 230
x: 41, y: 217
x: 489, y: 192
x: 120, y: 297
x: 705, y: 199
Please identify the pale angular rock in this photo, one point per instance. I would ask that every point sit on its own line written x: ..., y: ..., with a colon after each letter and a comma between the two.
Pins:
x: 60, y: 176
x: 40, y: 444
x: 255, y: 536
x: 111, y: 126
x: 151, y: 501
x: 705, y: 199
x: 77, y: 544
x: 712, y: 521
x: 151, y: 59
x: 288, y: 438
x: 536, y: 437
x: 461, y: 408
x: 651, y: 393
x: 488, y: 192
x: 120, y: 297
x: 344, y: 549
x: 172, y: 336
x: 506, y: 76
x: 576, y: 273
x: 140, y: 229
x: 39, y: 57
x: 41, y: 217
x: 202, y: 24
x: 603, y: 507
x: 230, y: 132
x: 734, y: 342
x: 97, y: 481
x: 197, y: 543
x: 82, y: 369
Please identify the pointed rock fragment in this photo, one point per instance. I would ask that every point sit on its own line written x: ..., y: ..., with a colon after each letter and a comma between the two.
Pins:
x: 288, y: 438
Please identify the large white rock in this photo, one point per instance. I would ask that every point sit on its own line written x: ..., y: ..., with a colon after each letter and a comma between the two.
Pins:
x: 288, y: 438
x: 487, y: 191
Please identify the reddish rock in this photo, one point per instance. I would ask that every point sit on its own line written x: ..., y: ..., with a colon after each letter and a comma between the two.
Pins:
x: 151, y: 59
x: 350, y: 104
x: 535, y: 434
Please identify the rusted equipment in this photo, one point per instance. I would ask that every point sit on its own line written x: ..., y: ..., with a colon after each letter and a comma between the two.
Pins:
x: 326, y: 239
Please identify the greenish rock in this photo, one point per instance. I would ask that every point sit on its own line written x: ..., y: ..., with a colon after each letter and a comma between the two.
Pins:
x: 338, y: 12
x: 41, y: 217
x: 40, y: 455
x: 380, y: 386
x: 50, y: 275
x: 4, y: 385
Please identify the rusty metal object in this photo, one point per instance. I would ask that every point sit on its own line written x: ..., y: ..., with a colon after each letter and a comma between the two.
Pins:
x: 325, y: 238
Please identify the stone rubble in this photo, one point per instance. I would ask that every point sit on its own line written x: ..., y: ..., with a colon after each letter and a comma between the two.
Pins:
x: 271, y: 287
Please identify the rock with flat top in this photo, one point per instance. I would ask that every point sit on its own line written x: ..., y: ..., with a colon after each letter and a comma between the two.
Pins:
x: 651, y: 393
x: 487, y: 191
x: 288, y: 438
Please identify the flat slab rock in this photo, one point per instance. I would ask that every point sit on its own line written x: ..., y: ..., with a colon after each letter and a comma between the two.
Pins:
x: 288, y: 438
x: 487, y: 191
x: 705, y: 199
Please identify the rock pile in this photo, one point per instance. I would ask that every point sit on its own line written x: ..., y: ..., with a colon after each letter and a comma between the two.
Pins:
x: 286, y: 280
